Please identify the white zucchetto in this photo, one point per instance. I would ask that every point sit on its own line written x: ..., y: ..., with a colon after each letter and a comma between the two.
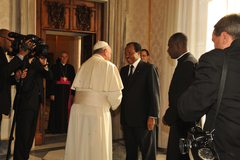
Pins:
x: 100, y: 44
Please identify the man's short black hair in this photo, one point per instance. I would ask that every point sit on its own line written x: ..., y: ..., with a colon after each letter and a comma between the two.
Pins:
x: 137, y: 46
x: 180, y: 38
x: 146, y: 51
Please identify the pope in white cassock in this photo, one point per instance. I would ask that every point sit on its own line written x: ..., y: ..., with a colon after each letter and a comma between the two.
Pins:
x: 97, y: 88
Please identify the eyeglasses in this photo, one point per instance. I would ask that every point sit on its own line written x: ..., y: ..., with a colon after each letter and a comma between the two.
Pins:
x: 7, y: 39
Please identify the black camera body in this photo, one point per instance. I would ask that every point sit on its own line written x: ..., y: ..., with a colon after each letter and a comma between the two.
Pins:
x: 41, y: 49
x: 200, y: 142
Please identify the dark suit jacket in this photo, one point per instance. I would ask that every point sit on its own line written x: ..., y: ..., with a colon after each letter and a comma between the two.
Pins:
x: 32, y: 91
x: 6, y: 80
x: 182, y: 78
x: 141, y: 97
x: 201, y: 97
x: 31, y: 94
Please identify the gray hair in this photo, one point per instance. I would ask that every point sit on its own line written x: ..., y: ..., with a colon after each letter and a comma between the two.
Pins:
x: 230, y: 24
x: 62, y: 53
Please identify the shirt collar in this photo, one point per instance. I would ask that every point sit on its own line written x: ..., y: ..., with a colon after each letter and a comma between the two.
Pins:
x: 136, y: 63
x: 63, y: 64
x: 182, y: 55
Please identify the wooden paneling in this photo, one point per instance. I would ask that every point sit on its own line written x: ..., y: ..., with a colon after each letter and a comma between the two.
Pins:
x: 57, y: 44
x: 69, y: 15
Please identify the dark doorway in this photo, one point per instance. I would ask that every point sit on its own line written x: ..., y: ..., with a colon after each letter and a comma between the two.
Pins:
x: 87, y: 46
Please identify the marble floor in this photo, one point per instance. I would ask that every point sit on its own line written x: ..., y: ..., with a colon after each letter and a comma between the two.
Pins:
x: 54, y: 146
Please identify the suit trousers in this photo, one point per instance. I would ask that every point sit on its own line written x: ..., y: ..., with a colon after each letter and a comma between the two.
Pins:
x: 173, y: 150
x: 26, y: 122
x: 140, y: 138
x: 0, y: 124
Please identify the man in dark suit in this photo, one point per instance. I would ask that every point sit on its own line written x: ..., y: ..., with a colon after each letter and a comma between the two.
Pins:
x: 202, y: 95
x: 140, y: 104
x: 27, y: 109
x: 6, y: 69
x: 182, y: 78
x: 145, y: 55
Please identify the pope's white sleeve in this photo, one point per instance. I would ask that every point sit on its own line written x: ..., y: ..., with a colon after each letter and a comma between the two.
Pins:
x: 114, y: 99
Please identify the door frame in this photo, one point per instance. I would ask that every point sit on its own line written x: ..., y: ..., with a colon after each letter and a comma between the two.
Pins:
x: 43, y: 28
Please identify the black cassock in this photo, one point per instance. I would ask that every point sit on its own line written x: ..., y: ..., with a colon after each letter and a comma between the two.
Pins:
x: 60, y: 86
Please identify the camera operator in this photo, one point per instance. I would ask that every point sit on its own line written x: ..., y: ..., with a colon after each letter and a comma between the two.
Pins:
x: 6, y: 69
x: 32, y: 95
x: 201, y: 97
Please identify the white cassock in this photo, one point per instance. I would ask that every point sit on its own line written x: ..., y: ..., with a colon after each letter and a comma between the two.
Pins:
x: 98, y: 88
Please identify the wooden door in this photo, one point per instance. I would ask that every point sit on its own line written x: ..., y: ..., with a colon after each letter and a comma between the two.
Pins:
x: 76, y: 16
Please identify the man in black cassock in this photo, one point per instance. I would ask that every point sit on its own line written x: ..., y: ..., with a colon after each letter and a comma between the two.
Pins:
x: 61, y: 95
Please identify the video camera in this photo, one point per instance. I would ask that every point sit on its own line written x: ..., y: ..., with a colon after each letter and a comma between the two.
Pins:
x: 41, y: 49
x: 200, y: 142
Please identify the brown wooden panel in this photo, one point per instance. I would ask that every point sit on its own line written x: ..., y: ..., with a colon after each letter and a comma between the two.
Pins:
x: 89, y: 4
x: 58, y: 18
x: 57, y: 44
x: 51, y: 42
x: 99, y: 22
x: 92, y: 17
x: 70, y: 17
x: 40, y: 130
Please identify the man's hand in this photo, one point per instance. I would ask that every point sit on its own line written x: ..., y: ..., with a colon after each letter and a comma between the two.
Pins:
x: 21, y: 74
x: 30, y: 45
x: 150, y: 123
x: 44, y: 62
x: 52, y: 97
x: 24, y: 73
x: 163, y: 122
x: 30, y: 60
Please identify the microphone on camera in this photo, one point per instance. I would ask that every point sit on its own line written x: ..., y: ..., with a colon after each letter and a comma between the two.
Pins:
x: 14, y: 34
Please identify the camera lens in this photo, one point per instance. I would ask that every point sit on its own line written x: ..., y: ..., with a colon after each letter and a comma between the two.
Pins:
x: 205, y: 154
x: 184, y: 145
